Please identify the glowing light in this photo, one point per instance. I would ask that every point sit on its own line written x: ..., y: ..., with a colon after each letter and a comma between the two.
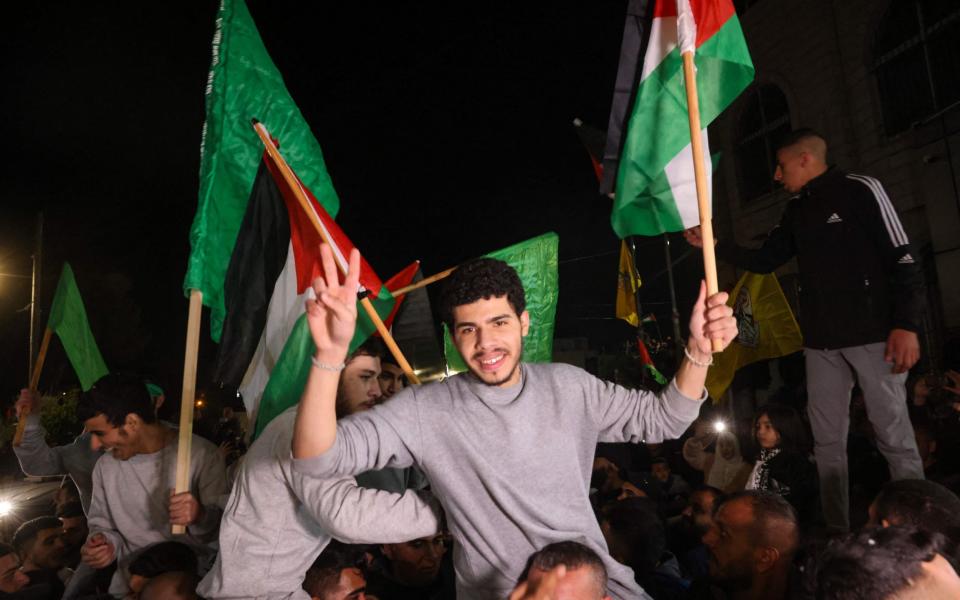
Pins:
x: 719, y: 426
x: 6, y: 507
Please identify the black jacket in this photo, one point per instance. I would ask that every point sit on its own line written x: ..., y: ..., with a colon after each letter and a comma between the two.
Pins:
x: 859, y: 277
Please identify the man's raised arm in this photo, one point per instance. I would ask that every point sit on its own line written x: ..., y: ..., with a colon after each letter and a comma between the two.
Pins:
x: 332, y: 317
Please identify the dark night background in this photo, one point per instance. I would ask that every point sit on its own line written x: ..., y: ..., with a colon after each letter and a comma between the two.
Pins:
x: 446, y: 129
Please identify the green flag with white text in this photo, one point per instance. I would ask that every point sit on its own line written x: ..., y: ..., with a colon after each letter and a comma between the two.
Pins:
x: 68, y: 319
x: 535, y: 261
x: 243, y: 84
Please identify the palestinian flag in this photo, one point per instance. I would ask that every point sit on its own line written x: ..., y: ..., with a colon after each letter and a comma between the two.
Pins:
x: 266, y: 345
x: 243, y: 84
x: 655, y: 190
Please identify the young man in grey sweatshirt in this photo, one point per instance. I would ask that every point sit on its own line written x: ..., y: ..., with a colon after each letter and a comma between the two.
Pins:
x: 507, y: 447
x: 133, y: 504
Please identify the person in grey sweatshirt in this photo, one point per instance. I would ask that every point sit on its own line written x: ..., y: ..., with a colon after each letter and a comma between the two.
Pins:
x: 133, y: 504
x: 508, y: 447
x: 277, y: 521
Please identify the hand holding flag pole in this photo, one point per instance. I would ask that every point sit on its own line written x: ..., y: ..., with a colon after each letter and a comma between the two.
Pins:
x: 34, y: 383
x: 687, y: 38
x: 294, y: 185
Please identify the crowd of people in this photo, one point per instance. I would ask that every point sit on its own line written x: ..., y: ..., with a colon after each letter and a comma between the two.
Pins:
x: 512, y: 480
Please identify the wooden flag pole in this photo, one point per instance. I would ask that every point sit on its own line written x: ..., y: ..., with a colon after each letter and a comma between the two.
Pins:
x: 34, y: 383
x: 294, y: 184
x: 187, y: 398
x: 700, y: 174
x: 423, y: 282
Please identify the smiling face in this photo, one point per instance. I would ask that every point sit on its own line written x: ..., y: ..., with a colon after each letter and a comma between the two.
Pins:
x: 489, y: 335
x: 359, y: 388
x: 119, y: 441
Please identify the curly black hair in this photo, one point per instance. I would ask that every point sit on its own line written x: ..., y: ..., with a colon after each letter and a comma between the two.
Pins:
x: 481, y: 278
x: 115, y: 396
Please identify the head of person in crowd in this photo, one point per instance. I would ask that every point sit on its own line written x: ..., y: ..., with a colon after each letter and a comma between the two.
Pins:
x: 920, y: 503
x: 67, y: 493
x: 779, y: 427
x: 586, y: 575
x: 635, y: 535
x: 697, y: 516
x: 12, y: 578
x: 165, y: 557
x: 893, y: 563
x: 75, y: 531
x: 392, y: 379
x: 416, y: 563
x: 339, y: 573
x: 359, y: 387
x: 40, y: 544
x: 660, y: 469
x: 609, y: 479
x: 119, y: 414
x: 751, y: 543
x: 484, y: 305
x: 172, y: 585
x: 801, y: 157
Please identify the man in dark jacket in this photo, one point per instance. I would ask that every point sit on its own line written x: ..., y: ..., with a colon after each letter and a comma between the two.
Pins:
x: 861, y: 301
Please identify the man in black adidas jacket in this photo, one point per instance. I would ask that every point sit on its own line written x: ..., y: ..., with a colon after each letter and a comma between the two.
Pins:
x: 861, y: 301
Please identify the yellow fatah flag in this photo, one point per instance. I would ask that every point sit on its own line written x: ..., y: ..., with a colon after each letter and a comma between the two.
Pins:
x: 767, y: 330
x: 628, y: 282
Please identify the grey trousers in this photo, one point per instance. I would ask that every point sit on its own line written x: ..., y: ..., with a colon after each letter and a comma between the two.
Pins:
x: 830, y: 377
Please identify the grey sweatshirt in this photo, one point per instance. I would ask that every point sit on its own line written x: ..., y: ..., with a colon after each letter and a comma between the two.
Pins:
x: 131, y: 502
x: 277, y: 521
x: 76, y: 459
x: 511, y: 466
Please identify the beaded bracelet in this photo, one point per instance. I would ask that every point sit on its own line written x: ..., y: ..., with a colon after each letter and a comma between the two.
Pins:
x: 326, y: 367
x: 695, y: 361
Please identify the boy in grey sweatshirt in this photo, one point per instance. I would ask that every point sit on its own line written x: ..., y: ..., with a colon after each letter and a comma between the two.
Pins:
x: 507, y: 447
x: 133, y: 505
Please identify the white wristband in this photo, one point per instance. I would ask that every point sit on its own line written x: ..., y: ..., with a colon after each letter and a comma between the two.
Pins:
x: 695, y: 361
x: 326, y: 367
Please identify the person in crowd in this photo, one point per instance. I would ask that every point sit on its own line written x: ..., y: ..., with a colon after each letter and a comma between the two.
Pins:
x: 36, y: 457
x: 636, y: 537
x: 892, y: 563
x: 686, y: 533
x: 173, y: 585
x: 674, y: 490
x: 917, y: 503
x: 781, y: 454
x: 723, y: 468
x: 391, y: 378
x: 610, y: 482
x: 410, y: 570
x: 74, y: 532
x: 12, y: 577
x: 752, y: 543
x: 277, y: 521
x: 155, y: 560
x: 40, y: 545
x: 133, y: 505
x: 576, y: 573
x: 338, y: 573
x: 502, y: 475
x: 861, y: 314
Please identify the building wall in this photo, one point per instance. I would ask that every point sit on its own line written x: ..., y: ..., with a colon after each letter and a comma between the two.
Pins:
x: 819, y: 53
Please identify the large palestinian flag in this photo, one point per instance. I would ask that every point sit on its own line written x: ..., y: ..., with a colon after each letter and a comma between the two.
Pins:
x: 266, y: 345
x: 655, y: 190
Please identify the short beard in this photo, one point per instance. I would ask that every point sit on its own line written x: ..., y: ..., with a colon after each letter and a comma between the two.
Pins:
x: 500, y: 381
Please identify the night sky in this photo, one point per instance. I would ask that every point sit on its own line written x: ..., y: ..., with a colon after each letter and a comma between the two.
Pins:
x: 446, y: 130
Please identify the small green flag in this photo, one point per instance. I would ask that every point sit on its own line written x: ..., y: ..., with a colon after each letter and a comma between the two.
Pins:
x: 243, y: 84
x: 536, y: 263
x: 68, y: 320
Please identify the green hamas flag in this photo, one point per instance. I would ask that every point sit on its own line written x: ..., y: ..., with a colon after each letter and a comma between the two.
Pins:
x: 535, y: 261
x: 243, y: 84
x: 68, y: 320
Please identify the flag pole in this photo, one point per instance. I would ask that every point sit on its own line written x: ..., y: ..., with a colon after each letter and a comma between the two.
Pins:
x: 700, y: 174
x: 34, y: 384
x: 674, y: 313
x: 423, y: 282
x: 305, y: 204
x: 185, y: 441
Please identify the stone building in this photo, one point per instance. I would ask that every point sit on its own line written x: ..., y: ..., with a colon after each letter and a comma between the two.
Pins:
x: 880, y: 79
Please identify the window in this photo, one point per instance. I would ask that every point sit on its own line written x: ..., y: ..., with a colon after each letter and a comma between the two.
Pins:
x: 917, y: 61
x: 764, y: 120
